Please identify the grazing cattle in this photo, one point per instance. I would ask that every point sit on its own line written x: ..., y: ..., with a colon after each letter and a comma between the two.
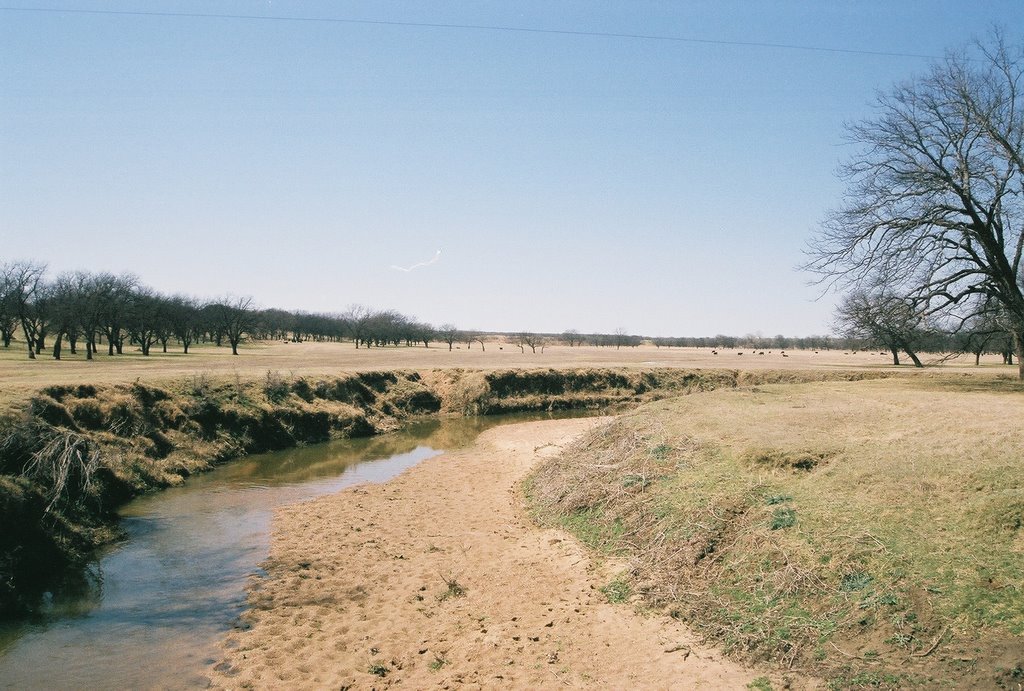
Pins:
x: 784, y: 355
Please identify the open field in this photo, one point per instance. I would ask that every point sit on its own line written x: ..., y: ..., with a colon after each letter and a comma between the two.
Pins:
x: 19, y: 375
x: 871, y: 532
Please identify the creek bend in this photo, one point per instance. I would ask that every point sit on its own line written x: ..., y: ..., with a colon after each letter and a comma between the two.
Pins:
x: 152, y: 609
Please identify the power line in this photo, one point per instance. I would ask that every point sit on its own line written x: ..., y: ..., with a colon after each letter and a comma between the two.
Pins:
x: 475, y: 27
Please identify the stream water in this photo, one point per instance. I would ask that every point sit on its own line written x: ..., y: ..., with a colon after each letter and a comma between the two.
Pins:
x: 154, y: 606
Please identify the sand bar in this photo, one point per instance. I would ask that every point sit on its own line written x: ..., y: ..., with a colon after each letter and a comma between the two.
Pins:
x: 358, y: 582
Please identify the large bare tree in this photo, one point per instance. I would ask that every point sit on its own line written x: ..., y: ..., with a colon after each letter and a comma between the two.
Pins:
x: 934, y: 208
x: 883, y: 319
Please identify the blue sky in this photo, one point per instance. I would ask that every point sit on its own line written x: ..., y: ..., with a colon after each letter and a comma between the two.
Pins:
x: 571, y: 181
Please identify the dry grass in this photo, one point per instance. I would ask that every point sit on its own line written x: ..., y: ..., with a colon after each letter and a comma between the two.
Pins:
x: 855, y: 528
x: 21, y: 376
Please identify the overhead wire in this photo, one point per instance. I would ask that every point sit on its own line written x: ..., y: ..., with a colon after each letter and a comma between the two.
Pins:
x: 474, y: 27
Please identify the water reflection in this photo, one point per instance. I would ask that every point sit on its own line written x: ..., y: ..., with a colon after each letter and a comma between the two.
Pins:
x: 151, y: 610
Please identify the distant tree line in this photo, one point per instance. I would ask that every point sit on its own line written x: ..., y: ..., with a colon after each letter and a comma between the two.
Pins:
x: 90, y: 313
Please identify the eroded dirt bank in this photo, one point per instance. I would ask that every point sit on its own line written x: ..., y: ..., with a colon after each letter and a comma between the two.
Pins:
x: 75, y: 453
x: 439, y: 578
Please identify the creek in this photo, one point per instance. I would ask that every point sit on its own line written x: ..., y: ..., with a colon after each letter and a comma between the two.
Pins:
x: 151, y: 609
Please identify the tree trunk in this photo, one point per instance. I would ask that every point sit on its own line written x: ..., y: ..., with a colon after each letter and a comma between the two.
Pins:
x: 913, y: 356
x: 895, y: 356
x: 57, y: 343
x: 1018, y: 345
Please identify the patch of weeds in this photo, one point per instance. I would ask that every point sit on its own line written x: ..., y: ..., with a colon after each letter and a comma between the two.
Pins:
x: 378, y: 669
x: 639, y: 481
x: 866, y: 680
x: 785, y: 459
x: 783, y: 517
x: 275, y: 387
x: 661, y: 451
x: 617, y: 591
x: 900, y: 639
x: 437, y: 663
x: 854, y: 581
x: 773, y: 499
x: 453, y: 589
x: 761, y: 684
x: 592, y: 528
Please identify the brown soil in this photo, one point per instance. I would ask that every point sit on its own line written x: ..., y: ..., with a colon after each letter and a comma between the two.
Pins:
x: 440, y: 578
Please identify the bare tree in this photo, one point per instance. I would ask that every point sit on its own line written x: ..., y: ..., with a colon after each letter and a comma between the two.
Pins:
x: 183, y: 318
x: 572, y: 338
x: 531, y: 341
x: 8, y: 313
x: 884, y: 319
x: 65, y: 312
x: 235, y: 318
x: 935, y: 199
x: 448, y: 333
x: 621, y: 337
x: 357, y: 319
x: 147, y: 317
x: 24, y: 283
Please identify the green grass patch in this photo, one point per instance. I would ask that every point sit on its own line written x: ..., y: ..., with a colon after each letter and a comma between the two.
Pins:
x: 617, y: 592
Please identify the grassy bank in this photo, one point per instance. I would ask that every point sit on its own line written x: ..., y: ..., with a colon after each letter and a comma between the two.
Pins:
x: 72, y: 454
x: 870, y: 532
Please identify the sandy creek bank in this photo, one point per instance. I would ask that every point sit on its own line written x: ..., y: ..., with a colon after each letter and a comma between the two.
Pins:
x: 438, y: 578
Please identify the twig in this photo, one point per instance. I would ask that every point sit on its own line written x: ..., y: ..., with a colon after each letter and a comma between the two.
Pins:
x: 849, y: 655
x: 677, y: 648
x: 934, y: 645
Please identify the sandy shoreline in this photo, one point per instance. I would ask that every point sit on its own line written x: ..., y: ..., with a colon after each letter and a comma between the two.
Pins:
x: 357, y: 581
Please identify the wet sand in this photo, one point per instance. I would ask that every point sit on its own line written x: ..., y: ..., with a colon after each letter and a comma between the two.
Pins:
x: 438, y: 578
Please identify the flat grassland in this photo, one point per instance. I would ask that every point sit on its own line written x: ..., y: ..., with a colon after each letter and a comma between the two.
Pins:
x: 20, y: 376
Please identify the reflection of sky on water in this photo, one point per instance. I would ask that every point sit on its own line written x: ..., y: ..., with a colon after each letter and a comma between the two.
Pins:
x: 152, y: 613
x: 165, y: 595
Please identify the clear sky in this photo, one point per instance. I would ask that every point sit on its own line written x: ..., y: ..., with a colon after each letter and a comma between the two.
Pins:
x: 570, y: 181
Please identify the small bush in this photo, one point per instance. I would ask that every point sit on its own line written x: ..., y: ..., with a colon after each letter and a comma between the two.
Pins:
x: 783, y: 459
x: 275, y: 387
x: 783, y: 517
x: 617, y: 591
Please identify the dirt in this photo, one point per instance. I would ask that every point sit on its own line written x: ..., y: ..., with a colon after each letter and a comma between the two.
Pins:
x: 440, y: 578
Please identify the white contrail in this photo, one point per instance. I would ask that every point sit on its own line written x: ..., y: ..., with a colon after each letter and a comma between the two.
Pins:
x: 419, y: 265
